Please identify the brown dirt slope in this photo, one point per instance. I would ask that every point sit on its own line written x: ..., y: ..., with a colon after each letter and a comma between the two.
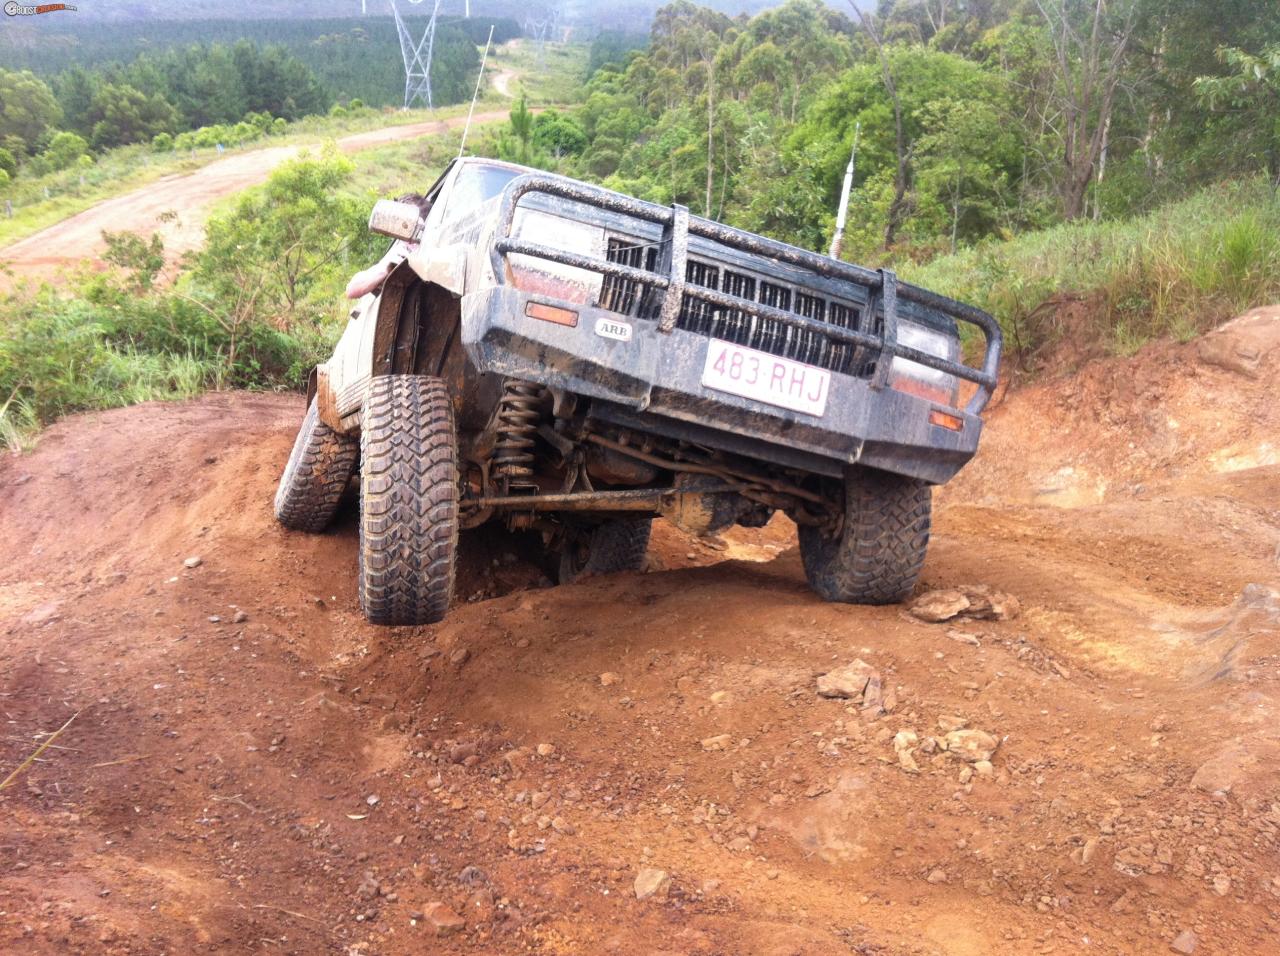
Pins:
x: 255, y: 769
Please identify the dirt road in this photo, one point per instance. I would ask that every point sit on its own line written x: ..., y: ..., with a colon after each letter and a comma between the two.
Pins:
x: 254, y: 769
x: 189, y: 195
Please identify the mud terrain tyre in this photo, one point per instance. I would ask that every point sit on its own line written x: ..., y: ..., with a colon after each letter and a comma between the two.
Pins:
x: 608, y: 548
x: 876, y: 559
x: 408, y: 501
x: 315, y: 476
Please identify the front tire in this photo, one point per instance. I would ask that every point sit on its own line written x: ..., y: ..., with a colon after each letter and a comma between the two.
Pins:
x: 608, y: 548
x: 408, y: 501
x: 877, y: 556
x: 315, y: 476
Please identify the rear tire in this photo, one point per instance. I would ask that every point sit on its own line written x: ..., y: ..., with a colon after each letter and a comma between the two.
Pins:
x: 408, y: 501
x: 877, y: 557
x: 315, y: 476
x: 608, y: 548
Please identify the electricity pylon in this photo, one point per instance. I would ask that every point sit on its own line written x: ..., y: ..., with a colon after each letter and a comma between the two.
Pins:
x: 417, y: 65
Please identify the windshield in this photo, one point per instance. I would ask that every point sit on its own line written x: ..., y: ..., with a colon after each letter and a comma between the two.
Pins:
x: 477, y: 184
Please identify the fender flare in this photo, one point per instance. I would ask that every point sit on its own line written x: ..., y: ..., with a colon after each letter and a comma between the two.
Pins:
x: 403, y: 332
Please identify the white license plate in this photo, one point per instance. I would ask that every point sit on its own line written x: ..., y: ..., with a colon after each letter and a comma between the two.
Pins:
x: 766, y: 378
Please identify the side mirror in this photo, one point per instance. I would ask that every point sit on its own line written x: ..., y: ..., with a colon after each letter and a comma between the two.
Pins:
x: 399, y: 220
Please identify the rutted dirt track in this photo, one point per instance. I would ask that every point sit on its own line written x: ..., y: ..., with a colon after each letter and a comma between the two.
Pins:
x: 253, y: 769
x: 189, y: 196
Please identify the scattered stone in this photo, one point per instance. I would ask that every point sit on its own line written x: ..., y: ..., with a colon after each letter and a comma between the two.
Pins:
x: 719, y: 697
x: 1222, y: 771
x: 974, y: 601
x: 962, y: 637
x: 473, y: 876
x: 971, y: 745
x: 1088, y: 850
x: 368, y: 888
x: 459, y: 657
x: 538, y: 799
x: 214, y: 619
x: 966, y: 774
x: 1222, y: 884
x: 373, y: 799
x: 938, y: 606
x: 193, y: 562
x: 443, y: 920
x: 1185, y: 943
x: 651, y: 882
x: 240, y: 617
x: 984, y: 768
x: 936, y: 875
x: 546, y: 750
x: 904, y: 742
x: 850, y: 682
x: 561, y: 825
x: 718, y: 742
x: 948, y: 723
x: 609, y: 678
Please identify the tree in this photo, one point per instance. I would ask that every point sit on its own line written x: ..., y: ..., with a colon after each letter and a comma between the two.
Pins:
x: 283, y: 242
x: 558, y: 134
x: 28, y: 109
x: 122, y: 114
x: 64, y: 150
x: 1251, y: 91
x: 897, y: 208
x: 1090, y: 50
x: 8, y: 162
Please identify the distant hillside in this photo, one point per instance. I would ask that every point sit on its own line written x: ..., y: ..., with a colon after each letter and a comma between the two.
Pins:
x: 572, y: 12
x: 351, y: 57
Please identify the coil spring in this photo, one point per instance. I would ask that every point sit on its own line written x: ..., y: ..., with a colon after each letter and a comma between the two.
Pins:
x: 517, y: 422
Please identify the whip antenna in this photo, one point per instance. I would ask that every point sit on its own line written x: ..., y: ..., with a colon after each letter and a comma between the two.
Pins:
x: 474, y: 96
x: 841, y: 213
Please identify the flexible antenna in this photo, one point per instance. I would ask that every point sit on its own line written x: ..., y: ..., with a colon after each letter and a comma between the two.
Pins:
x: 476, y: 95
x: 841, y: 214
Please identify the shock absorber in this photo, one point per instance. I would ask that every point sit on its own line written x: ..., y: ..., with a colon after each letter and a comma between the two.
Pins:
x: 517, y: 423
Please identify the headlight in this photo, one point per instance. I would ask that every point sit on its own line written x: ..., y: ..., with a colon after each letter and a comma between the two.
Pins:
x: 568, y: 283
x: 916, y: 379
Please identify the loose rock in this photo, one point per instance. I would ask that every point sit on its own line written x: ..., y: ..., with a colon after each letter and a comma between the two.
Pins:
x: 971, y: 745
x: 975, y: 601
x: 849, y: 682
x: 1185, y: 943
x: 193, y: 562
x: 718, y: 742
x: 904, y: 742
x: 938, y: 606
x: 443, y: 920
x: 651, y: 882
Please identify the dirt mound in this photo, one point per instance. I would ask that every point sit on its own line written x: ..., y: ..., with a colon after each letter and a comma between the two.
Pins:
x: 254, y: 768
x: 1119, y: 427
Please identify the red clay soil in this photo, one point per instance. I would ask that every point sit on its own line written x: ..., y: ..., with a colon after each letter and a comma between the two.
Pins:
x: 255, y: 769
x: 189, y: 196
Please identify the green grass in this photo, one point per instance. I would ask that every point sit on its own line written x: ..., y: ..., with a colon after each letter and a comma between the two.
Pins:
x: 550, y: 77
x: 1172, y: 273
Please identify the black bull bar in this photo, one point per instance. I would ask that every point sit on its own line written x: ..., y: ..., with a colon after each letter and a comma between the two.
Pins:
x: 882, y: 285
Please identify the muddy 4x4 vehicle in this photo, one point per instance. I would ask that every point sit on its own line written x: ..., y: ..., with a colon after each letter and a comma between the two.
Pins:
x: 574, y: 362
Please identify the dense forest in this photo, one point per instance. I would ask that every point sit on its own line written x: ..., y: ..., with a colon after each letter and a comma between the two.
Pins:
x: 351, y: 58
x: 974, y: 118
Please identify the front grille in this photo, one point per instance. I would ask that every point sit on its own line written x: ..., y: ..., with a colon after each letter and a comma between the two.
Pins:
x: 734, y: 325
x: 622, y: 295
x: 770, y: 335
